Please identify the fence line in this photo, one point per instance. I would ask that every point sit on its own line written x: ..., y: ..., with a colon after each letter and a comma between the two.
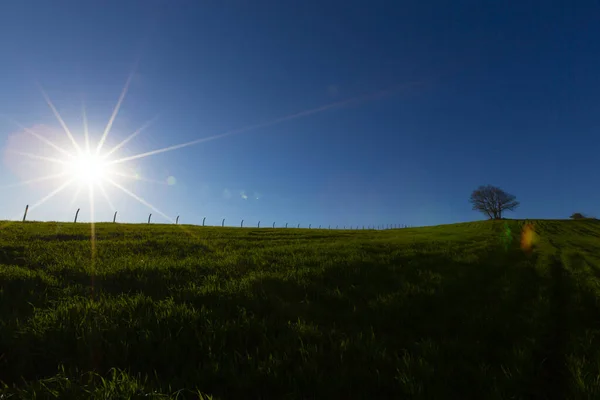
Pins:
x: 352, y: 227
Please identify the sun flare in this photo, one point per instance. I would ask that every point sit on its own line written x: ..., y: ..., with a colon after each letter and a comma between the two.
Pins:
x: 87, y: 168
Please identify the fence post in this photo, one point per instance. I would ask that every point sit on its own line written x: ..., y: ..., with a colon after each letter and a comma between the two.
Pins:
x: 115, y: 217
x: 149, y: 217
x: 25, y: 215
x: 242, y: 224
x: 286, y: 224
x: 259, y: 224
x: 76, y: 214
x: 177, y: 220
x: 223, y: 223
x: 273, y: 225
x: 309, y: 225
x: 203, y: 219
x: 298, y: 225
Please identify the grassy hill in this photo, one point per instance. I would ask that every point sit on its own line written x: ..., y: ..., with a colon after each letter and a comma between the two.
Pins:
x: 149, y: 311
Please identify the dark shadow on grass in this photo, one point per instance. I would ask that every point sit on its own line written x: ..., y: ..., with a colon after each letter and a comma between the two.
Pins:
x: 474, y: 313
x: 61, y: 237
x: 154, y: 248
x: 469, y: 309
x: 586, y: 247
x: 157, y: 283
x: 552, y: 376
x: 13, y: 255
x: 19, y: 297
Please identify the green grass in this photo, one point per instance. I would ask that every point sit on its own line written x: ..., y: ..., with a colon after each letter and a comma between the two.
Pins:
x: 225, y: 313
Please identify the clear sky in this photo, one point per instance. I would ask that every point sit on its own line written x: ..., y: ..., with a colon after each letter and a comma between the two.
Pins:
x: 448, y: 95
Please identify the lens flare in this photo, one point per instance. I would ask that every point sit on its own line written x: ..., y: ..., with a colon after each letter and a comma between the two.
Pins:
x: 528, y: 238
x: 507, y: 237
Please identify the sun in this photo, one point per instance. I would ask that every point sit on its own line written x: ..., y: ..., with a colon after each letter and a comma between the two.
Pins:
x: 87, y: 168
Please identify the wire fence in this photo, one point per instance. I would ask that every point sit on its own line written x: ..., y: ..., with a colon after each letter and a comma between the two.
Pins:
x: 273, y: 225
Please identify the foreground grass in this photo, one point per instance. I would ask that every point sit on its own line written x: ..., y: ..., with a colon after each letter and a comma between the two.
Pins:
x: 188, y: 312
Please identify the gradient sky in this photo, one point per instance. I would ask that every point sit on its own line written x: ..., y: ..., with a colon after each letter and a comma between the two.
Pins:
x: 449, y: 95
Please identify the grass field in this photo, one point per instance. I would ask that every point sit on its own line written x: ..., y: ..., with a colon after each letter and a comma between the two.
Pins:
x: 430, y: 313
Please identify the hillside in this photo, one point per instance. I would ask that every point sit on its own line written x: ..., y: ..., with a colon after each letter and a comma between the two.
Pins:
x: 455, y: 311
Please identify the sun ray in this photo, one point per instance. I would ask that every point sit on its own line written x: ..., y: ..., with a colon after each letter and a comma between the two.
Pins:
x: 86, y: 133
x: 38, y: 157
x: 166, y: 149
x: 136, y: 197
x: 114, y: 114
x: 138, y: 178
x: 92, y: 238
x: 60, y: 120
x: 105, y: 195
x: 35, y: 180
x: 39, y: 137
x: 39, y: 203
x: 338, y: 104
x: 92, y: 205
x: 128, y: 138
x: 51, y: 194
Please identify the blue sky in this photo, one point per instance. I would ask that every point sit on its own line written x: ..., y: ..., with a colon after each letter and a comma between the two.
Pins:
x: 448, y: 95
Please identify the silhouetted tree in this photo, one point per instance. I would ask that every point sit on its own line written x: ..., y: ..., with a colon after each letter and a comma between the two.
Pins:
x: 578, y: 216
x: 492, y: 201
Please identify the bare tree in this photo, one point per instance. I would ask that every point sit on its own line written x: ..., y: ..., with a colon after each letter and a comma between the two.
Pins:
x: 492, y: 201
